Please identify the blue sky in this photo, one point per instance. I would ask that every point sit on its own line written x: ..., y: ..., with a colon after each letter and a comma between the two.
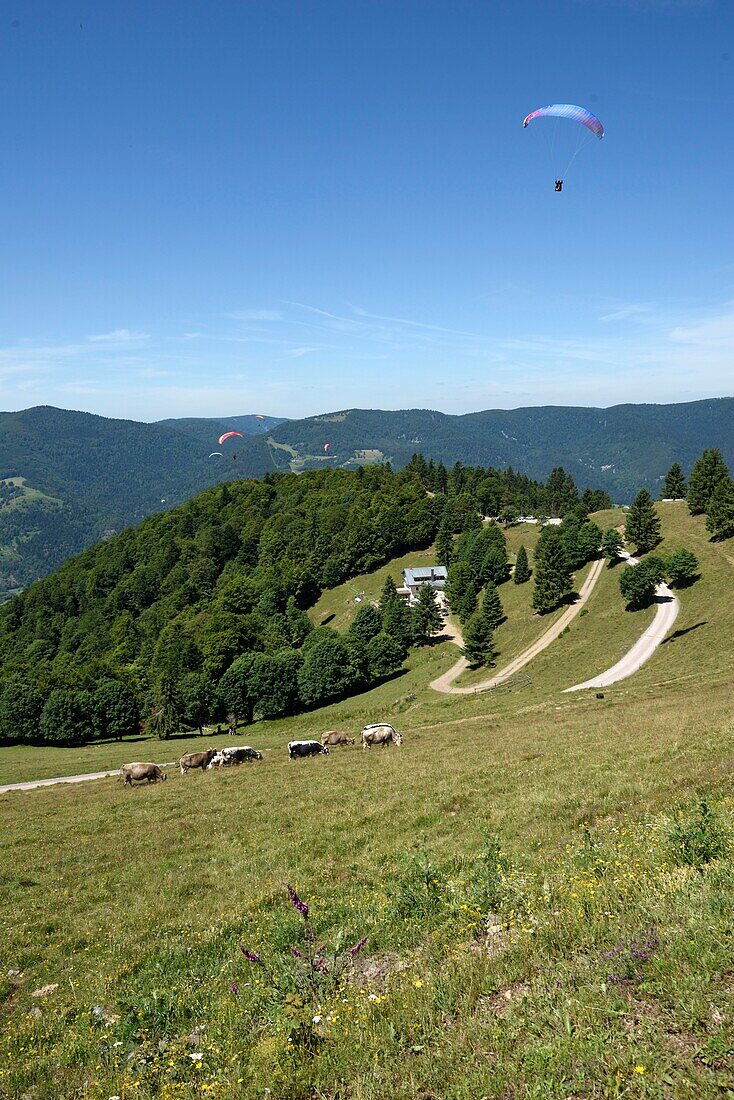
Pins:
x: 266, y: 206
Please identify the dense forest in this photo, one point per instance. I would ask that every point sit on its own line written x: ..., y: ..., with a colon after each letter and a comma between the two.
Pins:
x: 201, y: 612
x: 92, y: 475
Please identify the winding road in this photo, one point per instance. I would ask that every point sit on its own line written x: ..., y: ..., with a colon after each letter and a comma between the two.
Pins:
x: 665, y: 615
x: 444, y: 683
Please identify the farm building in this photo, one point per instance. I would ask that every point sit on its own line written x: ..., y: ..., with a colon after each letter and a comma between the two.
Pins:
x: 435, y: 575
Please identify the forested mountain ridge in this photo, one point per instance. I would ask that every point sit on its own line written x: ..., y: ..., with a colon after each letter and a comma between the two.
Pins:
x: 105, y: 474
x: 102, y: 476
x: 620, y: 449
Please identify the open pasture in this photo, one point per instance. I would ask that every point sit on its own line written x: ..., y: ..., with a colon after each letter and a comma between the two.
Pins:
x: 134, y: 902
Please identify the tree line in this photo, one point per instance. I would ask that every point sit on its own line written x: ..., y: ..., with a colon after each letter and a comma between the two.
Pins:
x: 201, y: 612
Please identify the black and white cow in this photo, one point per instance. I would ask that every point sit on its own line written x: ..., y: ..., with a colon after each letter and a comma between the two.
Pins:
x: 305, y: 748
x: 230, y: 757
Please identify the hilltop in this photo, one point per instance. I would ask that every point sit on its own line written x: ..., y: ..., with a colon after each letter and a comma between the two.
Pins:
x: 104, y: 475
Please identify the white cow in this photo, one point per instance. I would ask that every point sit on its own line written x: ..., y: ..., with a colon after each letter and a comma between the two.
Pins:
x: 380, y: 734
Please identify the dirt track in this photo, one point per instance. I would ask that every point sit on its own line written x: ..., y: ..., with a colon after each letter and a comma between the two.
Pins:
x: 443, y: 683
x: 665, y: 615
x: 33, y: 783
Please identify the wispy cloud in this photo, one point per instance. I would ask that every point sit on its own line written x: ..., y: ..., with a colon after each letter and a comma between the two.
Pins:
x: 256, y: 315
x: 633, y: 310
x: 119, y: 336
x: 714, y: 331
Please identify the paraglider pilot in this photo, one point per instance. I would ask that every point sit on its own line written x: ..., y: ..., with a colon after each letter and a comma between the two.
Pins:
x: 559, y: 185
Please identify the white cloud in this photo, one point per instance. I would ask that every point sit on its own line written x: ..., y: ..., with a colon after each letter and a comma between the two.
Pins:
x: 119, y: 336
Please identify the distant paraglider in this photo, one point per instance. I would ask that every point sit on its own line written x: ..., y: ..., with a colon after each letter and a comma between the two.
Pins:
x: 216, y: 454
x: 228, y: 435
x: 327, y: 447
x: 572, y: 113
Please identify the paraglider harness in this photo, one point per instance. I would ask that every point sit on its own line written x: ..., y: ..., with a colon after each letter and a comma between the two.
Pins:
x: 559, y: 185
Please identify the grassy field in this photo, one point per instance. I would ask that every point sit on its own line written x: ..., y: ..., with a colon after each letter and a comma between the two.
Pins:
x: 587, y: 954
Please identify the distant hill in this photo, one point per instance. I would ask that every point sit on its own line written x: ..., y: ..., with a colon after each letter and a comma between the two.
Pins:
x: 620, y: 449
x: 78, y: 477
x: 84, y: 476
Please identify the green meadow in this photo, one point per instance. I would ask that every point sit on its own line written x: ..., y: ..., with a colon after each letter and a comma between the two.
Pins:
x: 545, y: 881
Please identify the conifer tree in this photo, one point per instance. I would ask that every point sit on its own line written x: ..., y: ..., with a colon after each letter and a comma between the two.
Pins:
x: 612, y: 544
x: 720, y: 518
x: 492, y: 606
x: 674, y: 486
x: 708, y: 470
x: 642, y: 528
x: 445, y: 543
x: 479, y: 647
x: 425, y: 615
x: 522, y: 569
x: 461, y: 590
x: 552, y: 571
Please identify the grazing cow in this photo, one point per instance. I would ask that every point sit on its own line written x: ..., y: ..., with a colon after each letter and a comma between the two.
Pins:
x: 228, y: 758
x: 140, y: 771
x: 336, y: 737
x: 380, y: 734
x: 305, y: 748
x: 197, y: 760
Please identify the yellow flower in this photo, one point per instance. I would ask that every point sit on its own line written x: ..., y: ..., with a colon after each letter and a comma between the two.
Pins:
x: 639, y: 1069
x: 417, y: 983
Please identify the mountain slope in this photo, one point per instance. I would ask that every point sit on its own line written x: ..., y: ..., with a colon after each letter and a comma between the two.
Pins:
x: 107, y: 474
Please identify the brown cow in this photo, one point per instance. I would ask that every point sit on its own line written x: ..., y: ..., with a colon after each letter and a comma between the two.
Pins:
x: 336, y: 737
x: 197, y: 760
x: 140, y: 771
x: 381, y: 734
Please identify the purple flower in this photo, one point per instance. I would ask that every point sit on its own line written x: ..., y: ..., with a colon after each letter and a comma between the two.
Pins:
x: 298, y: 905
x: 251, y: 956
x: 357, y: 947
x: 235, y: 988
x: 296, y: 953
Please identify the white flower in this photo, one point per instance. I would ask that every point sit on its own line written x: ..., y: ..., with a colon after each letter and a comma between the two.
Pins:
x: 317, y: 1019
x: 372, y: 997
x: 196, y: 1057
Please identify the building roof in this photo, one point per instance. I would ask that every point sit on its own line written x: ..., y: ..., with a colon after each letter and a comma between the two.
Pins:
x: 424, y: 574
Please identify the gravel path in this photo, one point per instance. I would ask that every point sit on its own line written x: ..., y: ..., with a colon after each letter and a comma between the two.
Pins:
x: 33, y: 783
x: 444, y: 683
x: 665, y: 615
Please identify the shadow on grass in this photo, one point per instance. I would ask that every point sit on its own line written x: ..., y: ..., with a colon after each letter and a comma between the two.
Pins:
x: 680, y: 633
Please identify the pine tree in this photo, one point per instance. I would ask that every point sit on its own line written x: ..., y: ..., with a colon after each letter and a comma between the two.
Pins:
x: 642, y: 528
x: 522, y: 569
x: 708, y: 470
x: 479, y: 647
x: 425, y: 615
x: 492, y: 606
x: 674, y: 486
x: 552, y: 571
x: 461, y: 590
x: 612, y: 544
x: 444, y: 543
x: 720, y: 518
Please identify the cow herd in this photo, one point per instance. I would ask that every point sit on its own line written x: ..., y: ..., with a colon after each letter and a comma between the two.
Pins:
x: 206, y: 759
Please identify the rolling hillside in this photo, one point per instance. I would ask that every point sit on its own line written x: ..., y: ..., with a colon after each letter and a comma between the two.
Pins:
x: 545, y: 883
x: 104, y: 475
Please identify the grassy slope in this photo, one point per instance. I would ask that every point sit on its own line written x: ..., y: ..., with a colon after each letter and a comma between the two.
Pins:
x: 204, y: 858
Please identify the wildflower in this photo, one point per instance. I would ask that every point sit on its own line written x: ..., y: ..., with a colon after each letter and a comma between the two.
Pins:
x: 417, y: 983
x: 373, y: 997
x: 251, y: 956
x: 639, y: 1069
x: 235, y: 988
x: 296, y: 953
x: 300, y: 906
x: 316, y: 1019
x: 196, y: 1057
x: 357, y: 947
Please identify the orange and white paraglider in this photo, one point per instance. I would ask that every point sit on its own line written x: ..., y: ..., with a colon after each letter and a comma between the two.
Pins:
x: 327, y: 447
x: 228, y: 435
